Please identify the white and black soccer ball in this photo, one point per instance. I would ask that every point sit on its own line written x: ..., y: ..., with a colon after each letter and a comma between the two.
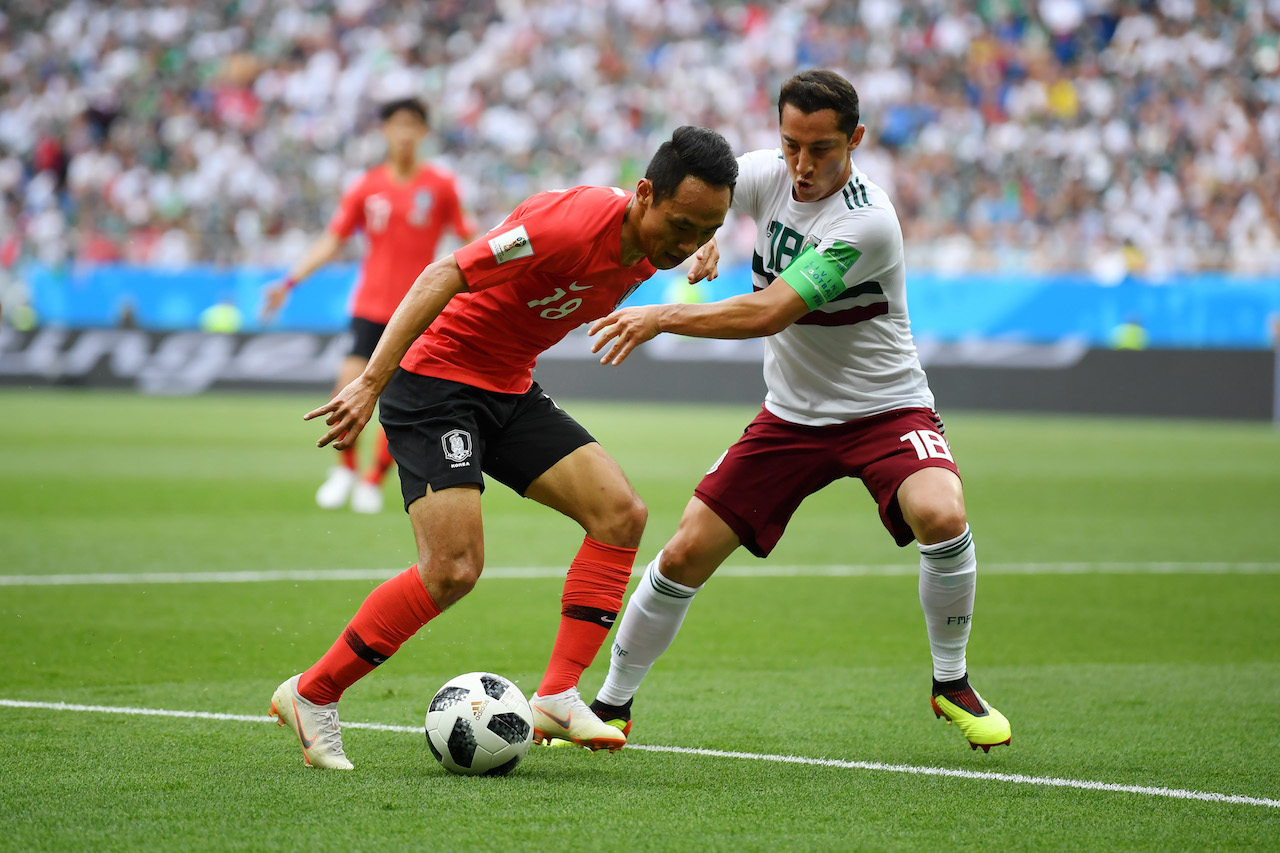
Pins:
x: 479, y: 724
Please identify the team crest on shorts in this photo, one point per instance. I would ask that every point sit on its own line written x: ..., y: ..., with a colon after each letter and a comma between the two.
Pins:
x: 457, y: 445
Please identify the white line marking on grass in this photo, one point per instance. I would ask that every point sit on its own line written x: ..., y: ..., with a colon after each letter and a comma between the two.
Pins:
x: 756, y: 571
x: 198, y: 577
x: 194, y: 715
x: 1015, y: 778
x: 909, y: 569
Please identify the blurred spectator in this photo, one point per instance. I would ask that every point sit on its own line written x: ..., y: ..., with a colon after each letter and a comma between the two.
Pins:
x: 1049, y: 135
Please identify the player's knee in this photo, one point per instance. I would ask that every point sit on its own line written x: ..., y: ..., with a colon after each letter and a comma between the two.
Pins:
x: 623, y: 524
x: 938, y: 520
x: 676, y: 562
x: 450, y: 578
x: 688, y: 562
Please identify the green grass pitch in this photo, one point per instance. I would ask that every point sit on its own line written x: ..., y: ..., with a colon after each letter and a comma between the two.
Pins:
x: 1126, y: 623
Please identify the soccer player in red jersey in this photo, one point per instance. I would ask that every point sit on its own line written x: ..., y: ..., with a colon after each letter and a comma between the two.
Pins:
x: 456, y: 363
x: 403, y: 206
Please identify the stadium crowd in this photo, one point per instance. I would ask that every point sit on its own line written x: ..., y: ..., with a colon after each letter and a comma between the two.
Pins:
x: 1121, y: 137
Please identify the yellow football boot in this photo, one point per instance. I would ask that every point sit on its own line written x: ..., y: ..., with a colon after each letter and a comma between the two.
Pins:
x: 982, y: 725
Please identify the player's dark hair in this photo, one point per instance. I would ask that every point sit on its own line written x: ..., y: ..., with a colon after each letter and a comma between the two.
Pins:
x: 692, y: 151
x: 813, y: 91
x: 413, y: 105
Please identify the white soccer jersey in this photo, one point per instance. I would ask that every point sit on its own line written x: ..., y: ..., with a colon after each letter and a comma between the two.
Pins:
x: 854, y: 355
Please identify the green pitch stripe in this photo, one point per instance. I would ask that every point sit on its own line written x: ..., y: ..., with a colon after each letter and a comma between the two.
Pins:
x: 835, y: 763
x: 760, y: 570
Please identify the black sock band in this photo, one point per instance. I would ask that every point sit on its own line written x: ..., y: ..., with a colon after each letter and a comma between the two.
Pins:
x: 362, y: 649
x: 604, y: 618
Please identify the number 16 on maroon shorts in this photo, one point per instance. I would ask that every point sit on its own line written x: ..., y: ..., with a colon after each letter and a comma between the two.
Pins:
x: 761, y: 480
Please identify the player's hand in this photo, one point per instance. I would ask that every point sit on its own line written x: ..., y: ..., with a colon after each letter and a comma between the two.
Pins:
x: 347, y: 413
x: 705, y: 262
x: 274, y: 297
x: 627, y: 328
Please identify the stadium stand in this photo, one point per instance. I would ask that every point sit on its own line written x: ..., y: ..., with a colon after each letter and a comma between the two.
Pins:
x: 1118, y: 137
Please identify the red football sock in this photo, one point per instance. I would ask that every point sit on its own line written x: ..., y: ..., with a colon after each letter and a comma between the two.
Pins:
x: 348, y: 458
x: 390, y: 615
x: 593, y: 592
x: 384, y: 461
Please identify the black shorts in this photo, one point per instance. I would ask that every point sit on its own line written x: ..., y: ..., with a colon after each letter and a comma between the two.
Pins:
x: 443, y: 433
x: 364, y: 336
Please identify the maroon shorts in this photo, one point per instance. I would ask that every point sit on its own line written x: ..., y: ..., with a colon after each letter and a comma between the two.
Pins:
x: 761, y: 480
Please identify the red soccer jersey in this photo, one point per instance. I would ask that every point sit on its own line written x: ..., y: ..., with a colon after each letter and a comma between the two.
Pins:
x: 403, y: 222
x: 552, y: 265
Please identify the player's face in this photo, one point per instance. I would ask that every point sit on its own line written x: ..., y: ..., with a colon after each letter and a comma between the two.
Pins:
x: 673, y: 229
x: 817, y: 152
x: 403, y: 131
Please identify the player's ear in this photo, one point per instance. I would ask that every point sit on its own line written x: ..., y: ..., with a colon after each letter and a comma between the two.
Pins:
x: 856, y: 139
x: 644, y: 192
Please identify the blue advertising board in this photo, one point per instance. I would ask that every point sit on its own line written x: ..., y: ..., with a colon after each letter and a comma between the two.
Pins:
x: 1200, y: 311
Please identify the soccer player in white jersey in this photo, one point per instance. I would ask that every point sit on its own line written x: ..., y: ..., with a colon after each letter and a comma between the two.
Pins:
x: 846, y: 398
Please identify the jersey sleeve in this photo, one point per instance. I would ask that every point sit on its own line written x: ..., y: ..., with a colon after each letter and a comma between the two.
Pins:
x: 350, y: 213
x: 530, y: 240
x: 755, y: 169
x: 852, y: 251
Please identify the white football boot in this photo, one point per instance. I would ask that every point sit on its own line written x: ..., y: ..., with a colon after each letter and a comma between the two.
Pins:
x: 366, y: 498
x: 564, y: 716
x: 336, y: 488
x: 315, y: 725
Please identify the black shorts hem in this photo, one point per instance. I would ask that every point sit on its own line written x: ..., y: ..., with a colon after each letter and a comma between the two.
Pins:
x: 365, y: 335
x: 444, y: 433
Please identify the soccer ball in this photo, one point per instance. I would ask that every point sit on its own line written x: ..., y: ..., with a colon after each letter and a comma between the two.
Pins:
x: 479, y: 724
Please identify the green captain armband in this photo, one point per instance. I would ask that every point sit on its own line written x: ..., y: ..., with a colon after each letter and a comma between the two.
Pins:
x: 819, y: 277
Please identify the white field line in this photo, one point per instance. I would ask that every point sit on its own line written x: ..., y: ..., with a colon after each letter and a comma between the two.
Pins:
x: 875, y: 766
x: 764, y: 570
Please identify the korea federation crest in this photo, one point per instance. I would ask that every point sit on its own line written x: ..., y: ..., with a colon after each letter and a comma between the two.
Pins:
x: 457, y: 445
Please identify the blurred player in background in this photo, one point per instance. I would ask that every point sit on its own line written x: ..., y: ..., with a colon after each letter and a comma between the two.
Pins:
x: 403, y: 206
x: 846, y: 398
x: 456, y: 362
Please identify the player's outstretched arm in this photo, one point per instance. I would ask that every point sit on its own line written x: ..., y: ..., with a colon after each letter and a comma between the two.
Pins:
x: 320, y: 253
x: 752, y: 315
x: 350, y: 409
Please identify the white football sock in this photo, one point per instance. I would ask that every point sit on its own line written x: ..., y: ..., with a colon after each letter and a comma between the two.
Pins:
x: 648, y: 626
x: 948, y: 578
